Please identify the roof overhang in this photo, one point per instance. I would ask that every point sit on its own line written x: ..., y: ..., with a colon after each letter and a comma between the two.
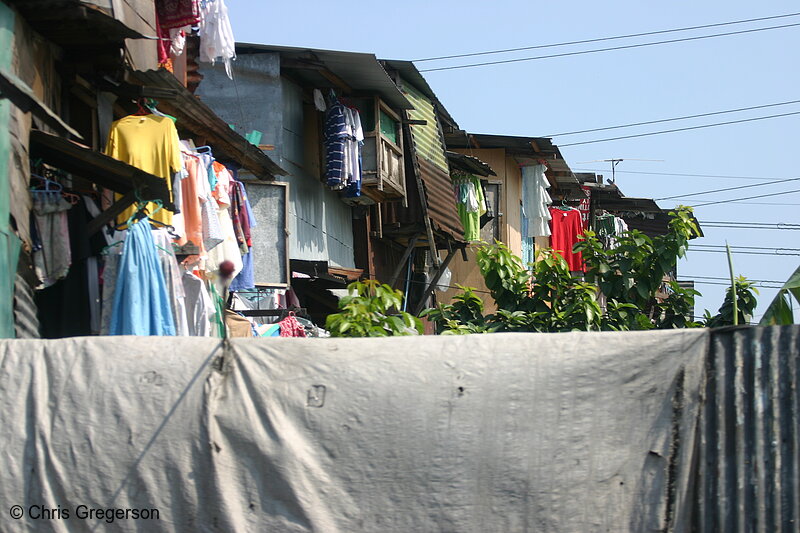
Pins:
x: 73, y: 23
x: 22, y: 96
x: 197, y: 118
x: 526, y: 150
x: 409, y: 72
x: 469, y: 164
x: 351, y: 73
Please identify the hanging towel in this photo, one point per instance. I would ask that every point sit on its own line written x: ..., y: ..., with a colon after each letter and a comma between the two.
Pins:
x: 141, y: 306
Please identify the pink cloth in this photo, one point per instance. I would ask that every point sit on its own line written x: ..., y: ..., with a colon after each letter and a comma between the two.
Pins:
x: 290, y: 327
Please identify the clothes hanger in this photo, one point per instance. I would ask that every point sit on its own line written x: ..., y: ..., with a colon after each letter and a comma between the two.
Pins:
x: 71, y: 198
x: 151, y: 104
x: 142, y: 111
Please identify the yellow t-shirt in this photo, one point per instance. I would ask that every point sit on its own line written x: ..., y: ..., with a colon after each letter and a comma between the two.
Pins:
x: 149, y: 143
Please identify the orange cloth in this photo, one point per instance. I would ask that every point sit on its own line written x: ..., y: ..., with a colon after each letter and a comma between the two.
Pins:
x: 191, y: 209
x: 150, y: 143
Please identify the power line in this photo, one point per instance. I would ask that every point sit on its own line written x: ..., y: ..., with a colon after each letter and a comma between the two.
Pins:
x: 779, y: 226
x: 675, y: 174
x: 723, y: 247
x: 758, y: 203
x: 729, y: 189
x: 686, y: 117
x: 624, y: 47
x: 750, y: 223
x: 600, y: 39
x: 764, y: 203
x: 721, y: 278
x: 688, y: 128
x: 747, y: 198
x: 741, y: 252
x: 757, y: 285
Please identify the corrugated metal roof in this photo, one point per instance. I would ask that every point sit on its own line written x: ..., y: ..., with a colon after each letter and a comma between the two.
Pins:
x: 198, y: 118
x: 74, y: 23
x: 362, y: 72
x: 408, y: 71
x: 469, y: 164
x: 527, y: 151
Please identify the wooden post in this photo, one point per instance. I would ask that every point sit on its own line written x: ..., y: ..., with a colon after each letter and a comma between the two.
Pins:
x: 97, y: 223
x: 399, y: 268
x: 435, y: 280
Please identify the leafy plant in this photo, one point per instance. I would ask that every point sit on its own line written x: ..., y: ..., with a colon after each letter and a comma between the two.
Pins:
x: 746, y: 303
x: 630, y: 276
x: 365, y: 312
x: 779, y: 311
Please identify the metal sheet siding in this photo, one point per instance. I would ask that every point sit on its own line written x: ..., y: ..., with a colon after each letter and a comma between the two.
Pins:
x: 26, y: 319
x: 748, y: 475
x: 427, y: 138
x: 433, y: 166
x: 441, y: 200
x: 320, y: 224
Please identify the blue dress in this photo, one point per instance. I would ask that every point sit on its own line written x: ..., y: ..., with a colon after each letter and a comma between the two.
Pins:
x: 141, y: 305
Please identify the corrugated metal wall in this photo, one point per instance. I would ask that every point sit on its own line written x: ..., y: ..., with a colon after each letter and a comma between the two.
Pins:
x: 427, y: 138
x: 429, y: 146
x: 748, y: 476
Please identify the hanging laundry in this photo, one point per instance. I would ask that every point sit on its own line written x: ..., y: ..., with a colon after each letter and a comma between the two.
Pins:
x: 51, y: 247
x: 228, y: 249
x: 177, y: 13
x: 335, y: 135
x: 65, y: 308
x: 354, y: 144
x: 150, y: 143
x: 290, y: 327
x: 566, y: 228
x: 172, y: 278
x: 343, y: 139
x: 191, y: 216
x: 535, y: 200
x: 199, y: 306
x: 216, y: 35
x: 141, y: 305
x: 470, y: 203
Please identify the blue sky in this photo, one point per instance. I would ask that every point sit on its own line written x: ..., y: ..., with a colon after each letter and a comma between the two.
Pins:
x: 544, y: 97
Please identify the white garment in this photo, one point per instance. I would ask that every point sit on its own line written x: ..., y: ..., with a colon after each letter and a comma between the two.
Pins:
x: 535, y: 200
x: 177, y: 38
x: 216, y: 35
x: 199, y: 306
x: 228, y: 249
x: 319, y: 101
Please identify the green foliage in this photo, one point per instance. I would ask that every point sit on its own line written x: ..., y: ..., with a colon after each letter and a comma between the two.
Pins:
x: 779, y: 311
x: 365, y: 312
x: 745, y: 299
x: 547, y: 298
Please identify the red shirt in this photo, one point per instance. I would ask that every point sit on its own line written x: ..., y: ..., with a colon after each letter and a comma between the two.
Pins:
x: 566, y: 228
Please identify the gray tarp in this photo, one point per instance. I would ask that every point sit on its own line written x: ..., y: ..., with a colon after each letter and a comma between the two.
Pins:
x: 568, y: 432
